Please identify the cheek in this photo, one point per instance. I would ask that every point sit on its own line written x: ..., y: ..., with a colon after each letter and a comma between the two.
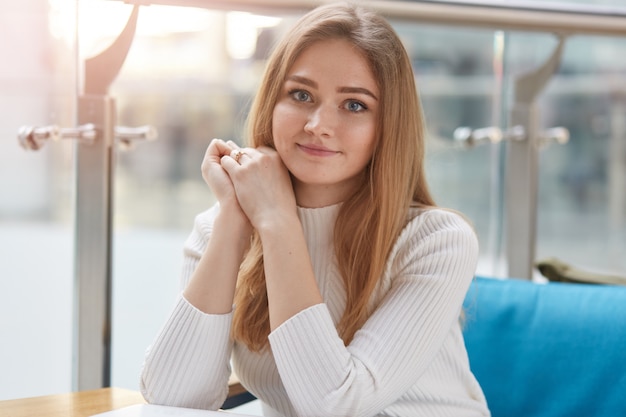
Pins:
x: 284, y: 119
x: 363, y: 137
x: 283, y: 122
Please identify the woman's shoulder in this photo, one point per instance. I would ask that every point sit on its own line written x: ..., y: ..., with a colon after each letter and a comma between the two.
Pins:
x: 432, y: 238
x: 433, y: 229
x: 430, y: 220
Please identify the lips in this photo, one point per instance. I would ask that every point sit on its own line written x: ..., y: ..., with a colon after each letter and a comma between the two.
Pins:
x: 316, y: 150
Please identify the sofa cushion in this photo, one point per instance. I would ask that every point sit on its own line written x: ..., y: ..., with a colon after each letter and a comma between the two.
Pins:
x: 543, y: 350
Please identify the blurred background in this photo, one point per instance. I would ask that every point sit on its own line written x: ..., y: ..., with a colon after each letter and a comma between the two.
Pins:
x: 191, y: 73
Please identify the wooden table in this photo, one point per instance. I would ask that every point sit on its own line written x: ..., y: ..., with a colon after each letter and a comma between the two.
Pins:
x: 88, y: 403
x: 76, y: 404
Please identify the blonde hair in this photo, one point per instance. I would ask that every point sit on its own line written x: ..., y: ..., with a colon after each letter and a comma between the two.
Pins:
x: 370, y: 220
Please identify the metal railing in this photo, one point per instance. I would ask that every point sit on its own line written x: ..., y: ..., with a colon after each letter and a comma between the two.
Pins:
x: 495, y: 14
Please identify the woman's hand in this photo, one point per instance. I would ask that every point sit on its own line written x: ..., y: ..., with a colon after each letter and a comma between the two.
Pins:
x: 262, y: 184
x: 218, y: 179
x: 213, y: 173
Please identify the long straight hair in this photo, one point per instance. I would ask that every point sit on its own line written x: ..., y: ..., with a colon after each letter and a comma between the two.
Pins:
x: 370, y: 220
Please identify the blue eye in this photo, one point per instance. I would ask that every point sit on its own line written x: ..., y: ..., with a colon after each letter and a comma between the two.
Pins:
x: 355, y: 106
x: 300, y: 95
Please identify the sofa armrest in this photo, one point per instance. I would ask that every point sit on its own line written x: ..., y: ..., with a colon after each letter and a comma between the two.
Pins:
x: 548, y: 350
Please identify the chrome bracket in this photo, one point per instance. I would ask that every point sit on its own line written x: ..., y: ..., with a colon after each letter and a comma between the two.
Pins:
x: 469, y: 137
x: 34, y: 138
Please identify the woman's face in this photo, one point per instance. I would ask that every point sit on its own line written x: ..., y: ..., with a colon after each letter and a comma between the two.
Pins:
x: 324, y: 121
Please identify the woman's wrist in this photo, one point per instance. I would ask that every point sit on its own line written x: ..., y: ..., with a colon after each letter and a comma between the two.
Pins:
x: 233, y: 222
x: 279, y: 224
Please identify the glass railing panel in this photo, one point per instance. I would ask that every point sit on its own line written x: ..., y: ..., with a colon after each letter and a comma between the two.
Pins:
x: 581, y: 211
x: 191, y: 74
x: 38, y: 85
x: 459, y: 78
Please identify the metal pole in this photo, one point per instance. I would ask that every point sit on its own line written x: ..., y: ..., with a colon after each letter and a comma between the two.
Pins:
x: 522, y: 168
x: 617, y: 179
x: 94, y: 195
x: 94, y: 205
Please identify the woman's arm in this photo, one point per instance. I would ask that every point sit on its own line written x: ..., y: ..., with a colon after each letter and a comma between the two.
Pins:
x: 430, y: 275
x: 211, y: 288
x: 265, y: 193
x: 188, y: 365
x: 290, y: 281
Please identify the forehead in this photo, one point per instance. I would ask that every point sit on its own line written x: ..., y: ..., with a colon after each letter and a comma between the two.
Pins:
x: 335, y: 61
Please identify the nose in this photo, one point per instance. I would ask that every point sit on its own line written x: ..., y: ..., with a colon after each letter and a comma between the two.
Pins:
x: 322, y: 121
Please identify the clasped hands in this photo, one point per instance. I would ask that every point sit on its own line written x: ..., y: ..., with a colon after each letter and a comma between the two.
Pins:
x: 252, y: 182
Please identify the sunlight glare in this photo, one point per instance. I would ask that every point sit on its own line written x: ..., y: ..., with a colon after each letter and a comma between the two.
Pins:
x: 242, y: 30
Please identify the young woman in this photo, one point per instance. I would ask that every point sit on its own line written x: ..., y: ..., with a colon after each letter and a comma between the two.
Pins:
x: 325, y: 272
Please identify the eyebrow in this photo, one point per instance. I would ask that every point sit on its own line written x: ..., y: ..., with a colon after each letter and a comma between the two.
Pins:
x: 313, y: 84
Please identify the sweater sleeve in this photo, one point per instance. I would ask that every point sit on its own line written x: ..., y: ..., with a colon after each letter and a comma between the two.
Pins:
x: 431, y: 268
x: 188, y: 364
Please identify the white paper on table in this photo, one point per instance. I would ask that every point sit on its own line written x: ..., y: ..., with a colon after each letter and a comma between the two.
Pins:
x: 151, y: 410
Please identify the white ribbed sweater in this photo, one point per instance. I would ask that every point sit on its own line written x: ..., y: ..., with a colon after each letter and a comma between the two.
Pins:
x: 409, y: 358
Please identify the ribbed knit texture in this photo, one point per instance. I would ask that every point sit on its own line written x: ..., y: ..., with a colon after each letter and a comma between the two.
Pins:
x: 409, y: 359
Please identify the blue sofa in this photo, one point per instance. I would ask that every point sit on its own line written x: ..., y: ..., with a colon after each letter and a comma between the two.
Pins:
x: 547, y: 350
